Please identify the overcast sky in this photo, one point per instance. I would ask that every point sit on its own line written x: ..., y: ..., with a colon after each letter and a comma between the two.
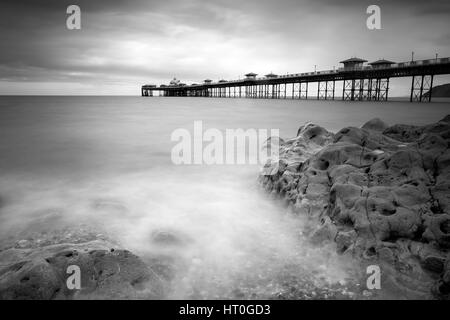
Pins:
x: 123, y: 44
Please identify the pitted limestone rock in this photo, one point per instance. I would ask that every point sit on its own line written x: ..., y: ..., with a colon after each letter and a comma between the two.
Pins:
x: 378, y: 192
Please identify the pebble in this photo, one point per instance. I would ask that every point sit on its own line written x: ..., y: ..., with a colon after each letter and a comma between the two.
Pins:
x: 23, y: 243
x: 367, y: 293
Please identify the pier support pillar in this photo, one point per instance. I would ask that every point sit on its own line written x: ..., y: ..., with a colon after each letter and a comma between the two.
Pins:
x: 282, y: 91
x: 326, y: 90
x: 420, y: 85
x: 358, y: 89
x: 364, y: 89
x: 384, y: 89
x: 321, y: 90
x: 329, y: 90
x: 348, y: 91
x: 304, y: 90
x: 372, y: 92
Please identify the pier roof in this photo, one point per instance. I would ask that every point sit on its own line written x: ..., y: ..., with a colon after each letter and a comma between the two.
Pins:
x: 251, y: 74
x: 354, y: 59
x: 271, y: 75
x: 381, y: 61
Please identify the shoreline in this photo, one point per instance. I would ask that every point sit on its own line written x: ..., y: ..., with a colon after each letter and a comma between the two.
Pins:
x: 332, y: 179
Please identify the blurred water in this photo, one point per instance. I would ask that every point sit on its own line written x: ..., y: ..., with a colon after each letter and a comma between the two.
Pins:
x: 105, y: 161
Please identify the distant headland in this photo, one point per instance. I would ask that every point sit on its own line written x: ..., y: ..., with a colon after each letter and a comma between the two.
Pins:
x: 442, y: 91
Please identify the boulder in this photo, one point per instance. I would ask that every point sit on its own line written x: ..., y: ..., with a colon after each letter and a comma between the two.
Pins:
x: 106, y: 273
x: 381, y: 193
x: 375, y: 124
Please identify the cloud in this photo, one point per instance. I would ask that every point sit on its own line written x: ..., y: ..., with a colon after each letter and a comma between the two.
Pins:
x: 142, y: 41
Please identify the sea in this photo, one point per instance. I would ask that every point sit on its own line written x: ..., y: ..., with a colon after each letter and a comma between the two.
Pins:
x: 105, y: 162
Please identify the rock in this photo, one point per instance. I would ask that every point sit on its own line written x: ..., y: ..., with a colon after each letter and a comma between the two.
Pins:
x: 404, y: 133
x: 23, y: 244
x: 442, y: 286
x: 168, y: 238
x: 382, y: 193
x: 314, y: 134
x: 367, y: 293
x: 106, y: 273
x: 437, y: 229
x: 345, y: 240
x: 326, y: 232
x: 434, y: 264
x: 375, y: 125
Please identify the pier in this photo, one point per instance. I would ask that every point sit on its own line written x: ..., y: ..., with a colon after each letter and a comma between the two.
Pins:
x: 360, y: 82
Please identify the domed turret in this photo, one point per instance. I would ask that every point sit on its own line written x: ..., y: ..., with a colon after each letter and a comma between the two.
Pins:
x: 174, y: 82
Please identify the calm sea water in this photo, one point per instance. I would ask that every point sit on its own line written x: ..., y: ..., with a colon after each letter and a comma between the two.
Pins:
x: 105, y: 161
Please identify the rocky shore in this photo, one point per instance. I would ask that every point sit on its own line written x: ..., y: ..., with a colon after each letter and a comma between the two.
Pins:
x: 380, y: 194
x: 37, y: 268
